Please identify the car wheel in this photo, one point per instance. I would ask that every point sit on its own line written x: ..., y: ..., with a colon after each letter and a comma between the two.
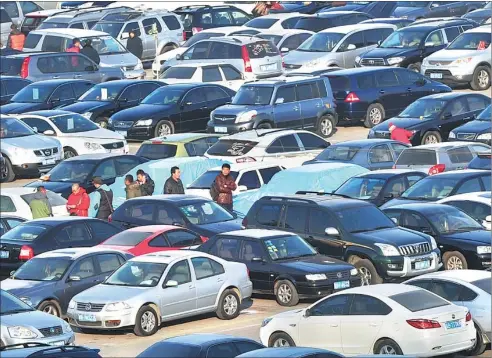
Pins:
x: 415, y: 67
x: 387, y: 346
x: 229, y: 305
x: 69, y: 152
x: 479, y: 346
x: 431, y: 137
x: 103, y: 122
x: 8, y: 174
x: 286, y: 293
x: 368, y: 273
x: 264, y: 126
x: 50, y: 307
x: 374, y: 115
x: 146, y: 322
x: 481, y: 78
x: 163, y: 128
x: 454, y: 260
x: 167, y: 48
x: 326, y: 126
x: 281, y: 339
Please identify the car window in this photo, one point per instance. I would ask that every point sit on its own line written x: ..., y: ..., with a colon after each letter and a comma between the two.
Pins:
x: 460, y: 155
x: 425, y: 284
x: 55, y: 64
x: 3, y: 228
x: 250, y: 250
x: 224, y: 51
x: 447, y: 290
x: 159, y: 241
x: 6, y: 204
x: 269, y: 215
x: 268, y: 173
x: 275, y: 147
x: 319, y: 220
x: 469, y: 186
x: 168, y: 215
x: 476, y: 103
x: 181, y: 238
x: 296, y: 218
x: 179, y: 272
x: 363, y: 305
x: 79, y: 88
x: 146, y: 89
x: 84, y: 268
x: 74, y: 234
x: 125, y: 164
x: 457, y: 107
x: 12, y: 222
x: 244, y: 347
x: 197, y: 52
x: 214, y: 93
x: 131, y: 93
x: 211, y: 74
x: 197, y: 147
x: 15, y: 86
x: 108, y: 262
x: 239, y: 17
x: 250, y: 180
x: 356, y: 40
x: 205, y: 267
x: 292, y: 42
x: 53, y: 44
x: 387, y: 79
x: 225, y: 248
x: 452, y: 32
x: 132, y: 26
x: 77, y: 25
x: 372, y: 37
x: 289, y: 143
x: 38, y: 124
x: 222, y: 18
x: 63, y: 93
x: 32, y: 40
x: 151, y: 25
x: 287, y: 93
x: 398, y: 148
x: 366, y: 81
x: 467, y: 294
x: 311, y: 141
x: 333, y: 306
x: 415, y: 222
x: 11, y: 8
x: 231, y: 73
x: 102, y: 230
x: 380, y: 154
x: 418, y: 300
x: 29, y: 6
x: 434, y: 39
x: 478, y: 211
x: 408, y: 77
x: 141, y: 211
x: 224, y: 350
x: 106, y: 170
x: 307, y: 91
x: 486, y: 182
x: 412, y: 179
x: 194, y: 96
x: 290, y: 23
x: 171, y: 22
x: 395, y: 187
x: 322, y: 88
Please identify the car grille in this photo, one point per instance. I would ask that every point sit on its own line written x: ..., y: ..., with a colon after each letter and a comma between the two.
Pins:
x: 47, y: 152
x: 115, y: 145
x: 221, y: 119
x: 89, y: 307
x: 466, y: 136
x: 89, y: 324
x: 128, y: 68
x: 381, y: 134
x: 372, y: 62
x: 51, y: 331
x: 439, y: 63
x: 292, y: 67
x: 444, y: 72
x: 122, y: 124
x: 415, y: 249
x: 338, y: 276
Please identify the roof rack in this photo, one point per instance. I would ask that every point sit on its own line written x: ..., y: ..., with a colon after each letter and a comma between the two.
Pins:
x: 99, y: 9
x: 188, y: 7
x: 321, y: 193
x: 279, y: 198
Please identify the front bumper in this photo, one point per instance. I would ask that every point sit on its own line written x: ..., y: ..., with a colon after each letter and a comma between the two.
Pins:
x: 229, y: 128
x: 480, y: 262
x: 34, y: 168
x: 321, y: 289
x: 63, y: 339
x: 469, y: 137
x: 134, y: 74
x: 448, y: 74
x: 404, y: 266
x: 103, y: 319
x: 131, y: 131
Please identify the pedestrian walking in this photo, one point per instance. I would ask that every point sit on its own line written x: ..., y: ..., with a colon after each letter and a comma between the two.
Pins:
x: 90, y: 51
x: 132, y: 187
x: 103, y: 200
x: 16, y: 38
x: 134, y: 44
x: 400, y: 134
x: 40, y: 205
x: 78, y: 202
x: 147, y: 185
x: 173, y: 184
x: 225, y: 185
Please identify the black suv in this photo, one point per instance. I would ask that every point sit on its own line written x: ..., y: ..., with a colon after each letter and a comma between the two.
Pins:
x: 351, y: 230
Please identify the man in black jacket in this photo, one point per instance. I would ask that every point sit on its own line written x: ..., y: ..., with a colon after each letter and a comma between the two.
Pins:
x: 134, y: 44
x: 147, y: 185
x: 173, y: 184
x: 105, y: 205
x: 90, y: 51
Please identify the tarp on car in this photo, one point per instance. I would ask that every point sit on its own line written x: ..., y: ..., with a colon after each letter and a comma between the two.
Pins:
x: 325, y: 177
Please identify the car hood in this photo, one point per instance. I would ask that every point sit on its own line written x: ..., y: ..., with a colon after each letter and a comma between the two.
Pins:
x: 220, y: 227
x: 26, y: 287
x: 36, y: 319
x: 234, y: 109
x: 142, y: 111
x: 86, y: 106
x: 315, y: 264
x: 303, y: 57
x: 451, y: 55
x: 17, y: 108
x: 380, y: 52
x: 54, y: 186
x: 393, y: 236
x: 399, y: 201
x: 99, y: 135
x: 35, y: 141
x: 118, y: 60
x: 474, y: 127
x: 477, y: 236
x: 407, y: 123
x: 408, y: 11
x: 110, y: 293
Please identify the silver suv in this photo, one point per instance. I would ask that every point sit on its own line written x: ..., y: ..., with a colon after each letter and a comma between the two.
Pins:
x: 466, y: 60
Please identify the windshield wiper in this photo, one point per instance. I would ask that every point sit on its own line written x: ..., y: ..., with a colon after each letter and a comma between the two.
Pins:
x: 425, y: 198
x: 18, y: 311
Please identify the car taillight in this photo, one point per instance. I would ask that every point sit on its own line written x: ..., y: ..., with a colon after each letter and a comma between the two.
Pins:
x: 184, y: 35
x: 204, y: 238
x: 244, y: 223
x: 468, y: 317
x: 436, y: 169
x: 423, y: 323
x: 352, y: 97
x: 196, y: 30
x: 277, y: 6
x: 110, y: 218
x: 245, y: 160
x: 246, y: 59
x: 25, y: 67
x: 247, y: 270
x: 26, y: 253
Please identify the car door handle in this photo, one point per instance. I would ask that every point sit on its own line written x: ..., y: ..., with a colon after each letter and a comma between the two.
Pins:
x: 373, y: 324
x: 191, y: 287
x: 204, y: 107
x: 55, y: 77
x: 296, y: 108
x: 77, y: 76
x: 334, y: 325
x: 382, y: 91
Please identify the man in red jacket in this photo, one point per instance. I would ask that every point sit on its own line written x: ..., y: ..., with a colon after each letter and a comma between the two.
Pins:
x: 78, y: 202
x: 400, y: 134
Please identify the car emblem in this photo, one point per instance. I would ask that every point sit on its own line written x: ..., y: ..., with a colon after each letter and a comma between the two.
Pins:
x: 221, y: 118
x: 453, y: 316
x: 339, y: 275
x: 52, y: 330
x: 115, y: 145
x: 47, y: 152
x: 88, y: 307
x: 371, y: 62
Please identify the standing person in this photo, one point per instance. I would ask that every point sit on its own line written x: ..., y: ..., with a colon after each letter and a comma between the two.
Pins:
x: 225, y: 185
x: 40, y: 206
x: 134, y: 44
x: 400, y: 134
x: 16, y: 38
x: 90, y: 51
x: 173, y: 184
x: 147, y: 185
x: 75, y: 47
x: 132, y: 188
x: 78, y: 202
x: 103, y: 200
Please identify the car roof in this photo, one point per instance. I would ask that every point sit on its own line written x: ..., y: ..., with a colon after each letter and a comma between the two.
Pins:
x: 359, y: 70
x: 153, y: 228
x: 283, y: 352
x: 386, y: 290
x: 386, y: 173
x: 187, y: 86
x: 56, y: 220
x: 281, y: 80
x: 480, y: 29
x: 420, y: 207
x: 198, y: 339
x: 45, y: 113
x: 167, y: 257
x: 478, y: 196
x: 283, y: 32
x: 70, y: 32
x: 443, y: 145
x: 322, y: 199
x: 77, y: 252
x: 361, y: 143
x: 57, y: 82
x: 433, y: 25
x: 181, y: 137
x: 177, y: 198
x: 357, y: 27
x: 458, y: 174
x: 248, y: 166
x: 461, y: 275
x: 257, y: 233
x: 449, y: 95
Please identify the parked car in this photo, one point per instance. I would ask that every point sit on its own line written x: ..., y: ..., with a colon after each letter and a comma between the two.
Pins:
x: 18, y: 9
x: 289, y: 103
x: 8, y: 222
x: 416, y: 10
x: 291, y: 352
x: 372, y: 154
x: 21, y: 322
x: 337, y: 46
x: 49, y: 280
x: 5, y: 24
x: 482, y: 162
x: 373, y: 94
x: 177, y: 108
x: 146, y: 239
x: 155, y: 288
x: 440, y: 186
x: 477, y: 205
x: 177, y: 145
x: 376, y: 8
x: 34, y: 19
x: 477, y: 130
x: 398, y: 21
x: 351, y: 230
x: 467, y: 288
x: 326, y: 20
x: 275, y: 21
x: 26, y: 152
x: 303, y: 7
x: 409, y: 46
x: 433, y: 117
x: 286, y: 40
x: 312, y: 72
x: 480, y: 15
x: 103, y: 100
x: 82, y: 168
x: 31, y: 350
x: 46, y: 95
x: 9, y: 86
x: 466, y: 60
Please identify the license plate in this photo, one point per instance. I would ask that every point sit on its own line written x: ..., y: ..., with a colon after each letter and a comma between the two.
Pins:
x: 120, y: 150
x: 123, y: 133
x: 49, y: 161
x: 220, y: 129
x: 4, y: 254
x: 87, y: 317
x: 57, y: 343
x: 272, y: 66
x: 436, y: 75
x: 422, y: 265
x: 452, y: 324
x: 341, y: 284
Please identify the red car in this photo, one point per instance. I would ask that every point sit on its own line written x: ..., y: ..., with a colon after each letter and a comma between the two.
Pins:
x: 146, y: 239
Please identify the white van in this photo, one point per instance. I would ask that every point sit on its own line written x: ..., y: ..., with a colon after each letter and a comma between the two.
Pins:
x: 5, y: 23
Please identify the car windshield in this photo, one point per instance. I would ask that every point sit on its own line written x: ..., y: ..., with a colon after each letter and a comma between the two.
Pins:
x: 10, y: 304
x: 43, y: 269
x: 52, y: 25
x: 137, y: 274
x: 75, y: 171
x: 201, y: 36
x: 128, y: 238
x: 102, y: 93
x: 34, y: 93
x: 112, y: 28
x: 155, y: 151
x: 275, y: 39
x: 483, y: 284
x: 203, y: 213
x: 206, y: 179
x: 253, y: 95
x: 431, y: 189
x: 288, y: 247
x: 412, y: 3
x: 164, y: 96
x: 451, y: 220
x: 363, y: 218
x: 105, y: 45
x: 362, y: 188
x: 471, y: 41
x: 24, y: 232
x: 404, y: 39
x: 13, y: 128
x: 321, y: 42
x: 73, y: 123
x: 231, y: 147
x: 485, y: 115
x: 338, y: 152
x: 424, y: 109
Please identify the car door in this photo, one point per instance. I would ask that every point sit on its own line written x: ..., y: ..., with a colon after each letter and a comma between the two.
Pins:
x: 254, y: 256
x: 390, y: 92
x: 454, y: 115
x: 350, y: 48
x: 39, y: 125
x: 146, y: 89
x: 107, y: 171
x: 233, y: 79
x: 319, y: 221
x: 397, y: 148
x: 392, y: 189
x: 194, y: 111
x: 79, y: 88
x: 152, y: 27
x: 310, y: 102
x: 286, y: 108
x: 211, y: 73
x: 137, y: 214
x: 62, y: 96
x: 107, y: 264
x: 216, y: 96
x: 183, y: 239
x: 84, y: 68
x: 210, y: 276
x: 82, y: 276
x: 249, y: 181
x: 433, y: 42
x: 74, y: 234
x: 101, y: 230
x: 380, y: 157
x: 412, y: 87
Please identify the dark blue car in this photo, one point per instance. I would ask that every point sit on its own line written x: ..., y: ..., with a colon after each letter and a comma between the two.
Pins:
x: 477, y: 130
x: 480, y: 15
x: 373, y: 8
x: 290, y: 352
x: 415, y: 10
x: 373, y: 94
x: 9, y: 86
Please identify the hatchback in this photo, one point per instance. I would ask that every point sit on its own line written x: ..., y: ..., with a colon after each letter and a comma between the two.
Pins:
x: 482, y: 162
x: 326, y: 20
x: 286, y: 40
x: 479, y: 15
x: 275, y: 21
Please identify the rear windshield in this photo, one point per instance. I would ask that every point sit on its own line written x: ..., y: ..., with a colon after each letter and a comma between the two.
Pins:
x: 483, y: 284
x: 206, y: 179
x: 262, y: 49
x: 339, y: 83
x: 417, y: 157
x: 179, y: 72
x: 481, y: 162
x: 231, y: 147
x: 128, y: 238
x: 157, y: 151
x: 24, y: 232
x: 10, y: 66
x: 260, y: 23
x: 315, y: 24
x: 338, y: 153
x: 201, y: 36
x: 53, y: 198
x: 419, y: 300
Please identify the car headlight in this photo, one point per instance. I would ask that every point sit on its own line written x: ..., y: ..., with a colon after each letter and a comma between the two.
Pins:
x: 357, y: 59
x: 483, y: 250
x: 485, y: 136
x: 266, y: 321
x: 371, y: 133
x: 354, y: 272
x: 316, y: 277
x: 138, y: 66
x: 433, y: 243
x: 452, y: 135
x: 144, y: 122
x: 461, y: 61
x: 87, y: 115
x: 117, y: 306
x: 26, y: 300
x: 313, y: 63
x: 395, y: 60
x: 66, y: 327
x: 21, y: 332
x: 212, y: 115
x: 72, y: 304
x: 92, y: 146
x: 246, y: 116
x: 388, y: 250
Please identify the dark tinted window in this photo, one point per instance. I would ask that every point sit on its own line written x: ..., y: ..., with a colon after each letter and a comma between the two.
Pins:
x: 387, y: 79
x: 311, y: 141
x: 469, y: 186
x: 418, y: 300
x: 29, y: 6
x: 288, y: 93
x: 32, y: 41
x: 180, y: 238
x: 296, y: 218
x: 80, y: 88
x: 372, y: 37
x: 467, y: 295
x: 417, y: 157
x: 363, y: 305
x: 452, y: 33
x: 75, y: 234
x: 133, y: 26
x: 223, y: 51
x: 197, y: 52
x: 159, y: 241
x: 226, y: 248
x: 179, y: 72
x: 334, y: 306
x: 224, y: 350
x: 244, y: 346
x: 476, y: 103
x: 290, y: 23
x: 125, y: 164
x: 268, y: 173
x: 231, y: 73
x: 339, y: 83
x: 408, y: 77
x: 425, y: 284
x: 319, y: 220
x: 77, y: 25
x: 231, y: 148
x: 322, y: 88
x: 52, y: 44
x: 195, y: 96
x: 289, y: 143
x: 157, y: 151
x: 127, y: 238
x: 269, y: 214
x: 307, y: 91
x: 250, y: 180
x: 483, y: 284
x: 171, y: 22
x: 211, y: 74
x: 447, y: 290
x: 261, y: 23
x: 215, y: 93
x: 478, y: 211
x: 40, y: 124
x: 221, y: 18
x: 460, y: 155
x: 366, y: 81
x: 64, y: 92
x: 101, y: 230
x: 146, y: 89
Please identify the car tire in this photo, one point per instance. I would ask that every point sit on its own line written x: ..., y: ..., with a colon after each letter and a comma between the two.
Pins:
x: 229, y: 305
x: 286, y: 293
x: 375, y: 114
x: 454, y: 260
x: 326, y: 126
x: 415, y: 67
x: 368, y: 273
x: 264, y: 125
x: 167, y: 48
x: 102, y: 121
x: 281, y: 339
x: 163, y: 128
x: 9, y: 174
x: 387, y: 346
x: 431, y: 137
x: 51, y: 307
x: 479, y: 346
x: 146, y: 322
x: 69, y: 152
x: 481, y: 78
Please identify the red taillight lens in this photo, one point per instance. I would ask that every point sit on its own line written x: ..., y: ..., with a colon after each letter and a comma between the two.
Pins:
x: 26, y: 253
x: 436, y: 169
x: 423, y: 323
x: 352, y: 97
x: 196, y: 30
x: 204, y: 238
x: 468, y: 317
x: 110, y: 218
x: 246, y: 59
x: 25, y: 67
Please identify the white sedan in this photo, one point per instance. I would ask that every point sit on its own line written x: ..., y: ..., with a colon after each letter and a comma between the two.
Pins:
x: 379, y: 319
x: 15, y: 201
x: 477, y: 205
x: 78, y: 135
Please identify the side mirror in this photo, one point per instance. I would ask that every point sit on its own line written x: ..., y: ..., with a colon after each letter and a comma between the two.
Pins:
x: 435, y: 4
x: 307, y: 312
x: 331, y: 231
x: 242, y: 188
x: 389, y: 196
x: 178, y: 57
x: 48, y: 132
x: 447, y: 115
x: 380, y: 42
x: 351, y: 47
x: 257, y: 259
x: 395, y: 220
x: 74, y: 278
x: 12, y: 273
x: 171, y: 283
x: 284, y: 50
x: 123, y: 100
x: 35, y: 129
x: 279, y: 100
x: 488, y: 218
x: 55, y: 100
x: 124, y: 35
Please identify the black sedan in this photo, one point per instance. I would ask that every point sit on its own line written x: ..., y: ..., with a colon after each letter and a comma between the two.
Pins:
x: 82, y: 168
x: 283, y: 264
x: 9, y: 86
x: 48, y: 94
x: 177, y: 108
x: 434, y: 117
x: 464, y: 243
x: 379, y: 186
x: 477, y: 130
x: 105, y: 99
x: 8, y: 222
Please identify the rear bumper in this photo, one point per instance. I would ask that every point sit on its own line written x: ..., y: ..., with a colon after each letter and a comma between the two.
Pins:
x: 351, y: 111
